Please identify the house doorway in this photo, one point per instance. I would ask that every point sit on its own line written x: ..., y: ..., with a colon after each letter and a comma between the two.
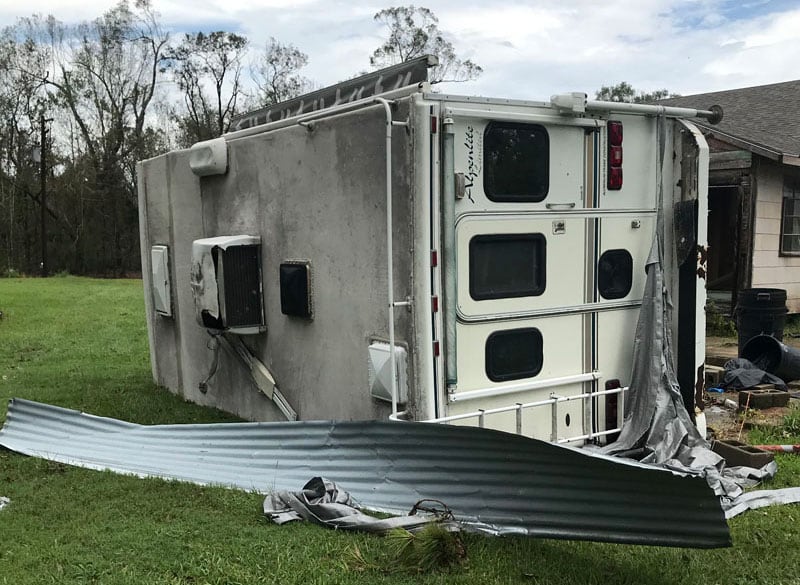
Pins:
x: 723, y: 246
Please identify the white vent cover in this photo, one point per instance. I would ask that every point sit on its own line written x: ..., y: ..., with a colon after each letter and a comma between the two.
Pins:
x: 159, y: 266
x: 209, y: 157
x: 380, y: 372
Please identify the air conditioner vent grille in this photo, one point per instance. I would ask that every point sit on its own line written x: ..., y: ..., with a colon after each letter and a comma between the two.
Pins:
x: 242, y: 270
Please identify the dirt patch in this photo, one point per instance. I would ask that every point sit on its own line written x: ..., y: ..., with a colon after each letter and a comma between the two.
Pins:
x: 725, y: 421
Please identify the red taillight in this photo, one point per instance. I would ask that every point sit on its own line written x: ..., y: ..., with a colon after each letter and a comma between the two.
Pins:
x: 434, y: 121
x: 435, y: 304
x: 614, y: 133
x: 614, y: 155
x: 435, y: 349
x: 615, y: 178
x: 612, y: 409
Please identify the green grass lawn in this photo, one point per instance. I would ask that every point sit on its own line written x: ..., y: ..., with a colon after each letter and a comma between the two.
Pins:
x: 82, y: 344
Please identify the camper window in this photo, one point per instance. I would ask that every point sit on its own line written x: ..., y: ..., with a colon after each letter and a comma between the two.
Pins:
x: 506, y: 266
x: 513, y: 354
x: 615, y: 274
x: 516, y: 162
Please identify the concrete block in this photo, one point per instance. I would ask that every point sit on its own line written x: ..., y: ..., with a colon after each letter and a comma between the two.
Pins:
x: 737, y: 453
x: 713, y: 376
x: 780, y: 398
x: 762, y: 396
x: 717, y: 360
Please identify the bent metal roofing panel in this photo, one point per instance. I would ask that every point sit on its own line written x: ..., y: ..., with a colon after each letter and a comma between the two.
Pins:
x: 494, y: 482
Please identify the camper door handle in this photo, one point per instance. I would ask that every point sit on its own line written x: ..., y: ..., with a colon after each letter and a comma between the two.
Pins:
x: 560, y: 206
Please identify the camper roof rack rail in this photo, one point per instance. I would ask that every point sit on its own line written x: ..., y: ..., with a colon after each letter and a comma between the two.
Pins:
x: 576, y: 103
x: 713, y: 114
x: 370, y: 84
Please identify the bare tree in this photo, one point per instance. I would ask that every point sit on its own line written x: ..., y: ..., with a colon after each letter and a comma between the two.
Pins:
x: 104, y: 75
x: 208, y: 71
x: 276, y: 74
x: 413, y: 32
x: 20, y: 103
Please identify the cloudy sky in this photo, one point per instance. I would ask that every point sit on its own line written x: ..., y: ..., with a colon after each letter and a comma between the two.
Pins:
x: 529, y: 49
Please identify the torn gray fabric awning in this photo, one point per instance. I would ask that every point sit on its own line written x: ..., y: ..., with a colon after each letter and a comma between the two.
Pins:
x: 323, y: 502
x: 494, y: 482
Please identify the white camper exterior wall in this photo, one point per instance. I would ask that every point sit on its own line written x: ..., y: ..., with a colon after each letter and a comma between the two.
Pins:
x: 770, y: 269
x: 581, y: 332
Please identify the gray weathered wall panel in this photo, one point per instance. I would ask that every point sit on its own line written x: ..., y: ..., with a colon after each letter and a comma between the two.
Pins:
x: 315, y: 195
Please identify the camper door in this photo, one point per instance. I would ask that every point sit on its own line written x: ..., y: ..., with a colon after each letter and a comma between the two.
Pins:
x: 520, y: 254
x: 550, y: 268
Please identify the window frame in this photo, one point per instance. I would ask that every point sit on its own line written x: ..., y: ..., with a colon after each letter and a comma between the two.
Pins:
x: 541, y: 250
x: 505, y: 197
x: 615, y: 251
x: 522, y: 374
x: 791, y: 183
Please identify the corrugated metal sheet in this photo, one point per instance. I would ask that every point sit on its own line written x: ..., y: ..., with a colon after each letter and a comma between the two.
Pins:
x: 493, y: 481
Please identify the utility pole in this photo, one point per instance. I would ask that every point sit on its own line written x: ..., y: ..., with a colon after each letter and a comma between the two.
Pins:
x: 43, y: 189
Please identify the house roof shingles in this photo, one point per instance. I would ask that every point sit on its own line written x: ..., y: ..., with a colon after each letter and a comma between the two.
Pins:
x: 765, y: 115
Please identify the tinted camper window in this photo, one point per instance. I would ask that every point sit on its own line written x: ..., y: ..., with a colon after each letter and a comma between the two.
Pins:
x: 506, y: 265
x: 516, y: 162
x: 615, y: 274
x: 513, y: 354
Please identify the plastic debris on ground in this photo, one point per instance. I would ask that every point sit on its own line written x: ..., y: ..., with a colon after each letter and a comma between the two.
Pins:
x: 4, y: 501
x: 742, y: 374
x: 657, y: 428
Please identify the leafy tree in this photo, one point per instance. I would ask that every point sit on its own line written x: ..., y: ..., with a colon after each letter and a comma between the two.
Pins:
x: 208, y: 71
x: 276, y: 74
x: 413, y: 32
x: 624, y: 92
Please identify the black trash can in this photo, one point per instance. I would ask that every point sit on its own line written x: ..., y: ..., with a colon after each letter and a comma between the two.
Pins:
x: 760, y: 311
x: 770, y: 355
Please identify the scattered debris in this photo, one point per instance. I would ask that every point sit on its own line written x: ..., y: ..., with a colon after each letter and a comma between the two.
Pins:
x: 496, y: 483
x: 779, y: 448
x: 4, y: 501
x: 321, y: 501
x: 428, y: 539
x: 762, y: 499
x: 431, y: 549
x: 741, y: 373
x: 762, y: 397
x: 737, y: 454
x: 713, y: 375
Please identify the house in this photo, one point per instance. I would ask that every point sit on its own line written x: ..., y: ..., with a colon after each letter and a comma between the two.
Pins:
x: 754, y: 190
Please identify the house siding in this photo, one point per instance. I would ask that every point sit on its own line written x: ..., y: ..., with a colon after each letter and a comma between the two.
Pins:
x: 770, y: 269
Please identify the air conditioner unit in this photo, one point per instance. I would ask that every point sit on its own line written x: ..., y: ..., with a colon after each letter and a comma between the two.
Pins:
x: 226, y: 283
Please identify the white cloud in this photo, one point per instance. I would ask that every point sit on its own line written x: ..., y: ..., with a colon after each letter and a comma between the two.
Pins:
x: 528, y: 48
